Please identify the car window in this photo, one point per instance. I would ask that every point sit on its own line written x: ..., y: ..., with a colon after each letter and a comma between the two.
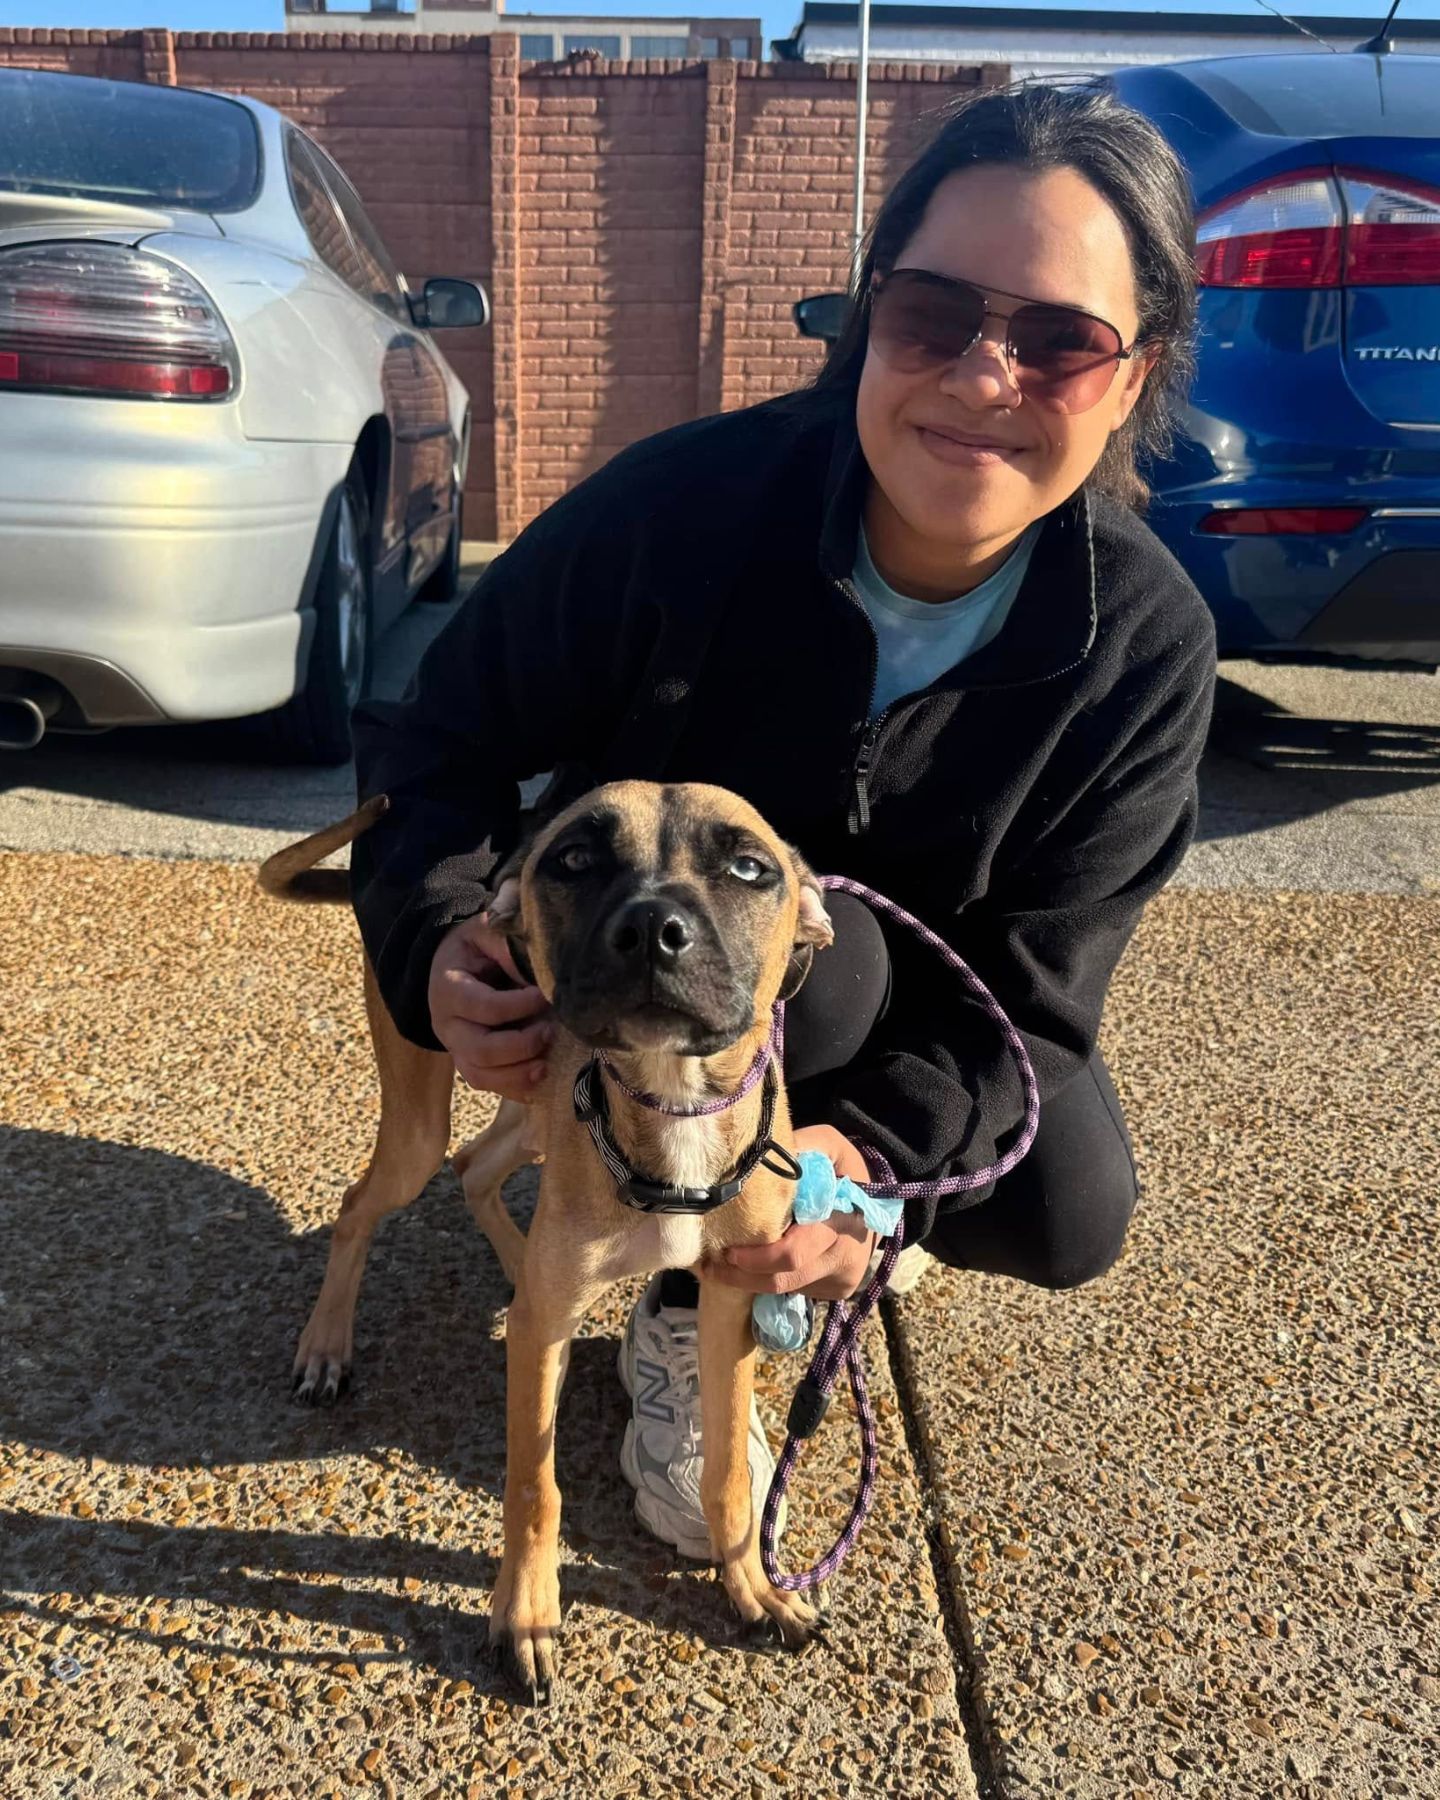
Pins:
x: 1324, y: 96
x: 118, y: 140
x: 384, y: 284
x: 324, y: 227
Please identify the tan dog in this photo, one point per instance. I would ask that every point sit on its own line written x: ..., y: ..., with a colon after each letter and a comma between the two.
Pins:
x: 661, y: 924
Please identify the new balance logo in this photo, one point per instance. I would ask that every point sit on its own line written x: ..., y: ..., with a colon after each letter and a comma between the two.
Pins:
x: 651, y: 1381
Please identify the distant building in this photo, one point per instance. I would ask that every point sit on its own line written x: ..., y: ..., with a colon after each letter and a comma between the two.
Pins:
x: 1058, y: 41
x: 548, y: 39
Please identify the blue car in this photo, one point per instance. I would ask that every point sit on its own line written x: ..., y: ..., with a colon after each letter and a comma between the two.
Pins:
x: 1303, y: 495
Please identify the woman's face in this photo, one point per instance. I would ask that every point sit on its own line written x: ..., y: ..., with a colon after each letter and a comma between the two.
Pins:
x: 963, y: 459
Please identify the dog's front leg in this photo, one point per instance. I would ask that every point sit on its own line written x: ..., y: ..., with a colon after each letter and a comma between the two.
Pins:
x: 525, y: 1610
x: 727, y: 1378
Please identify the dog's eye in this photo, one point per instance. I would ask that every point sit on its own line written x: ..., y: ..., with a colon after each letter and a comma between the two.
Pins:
x: 747, y: 868
x: 575, y: 859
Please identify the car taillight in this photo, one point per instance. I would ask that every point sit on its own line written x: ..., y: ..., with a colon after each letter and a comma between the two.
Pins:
x: 1285, y: 233
x: 103, y: 319
x: 1393, y: 237
x: 1322, y: 228
x: 1283, y: 521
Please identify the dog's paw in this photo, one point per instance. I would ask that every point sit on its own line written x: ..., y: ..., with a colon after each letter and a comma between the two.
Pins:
x: 527, y: 1662
x: 771, y: 1618
x: 321, y: 1372
x: 525, y: 1632
x: 319, y: 1381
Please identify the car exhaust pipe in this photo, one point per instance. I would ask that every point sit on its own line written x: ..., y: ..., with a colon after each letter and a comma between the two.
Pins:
x: 26, y: 710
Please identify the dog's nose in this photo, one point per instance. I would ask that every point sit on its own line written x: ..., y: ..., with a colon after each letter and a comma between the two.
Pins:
x: 651, y: 930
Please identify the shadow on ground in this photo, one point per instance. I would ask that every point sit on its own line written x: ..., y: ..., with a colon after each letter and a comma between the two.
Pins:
x: 1345, y: 759
x: 152, y: 1305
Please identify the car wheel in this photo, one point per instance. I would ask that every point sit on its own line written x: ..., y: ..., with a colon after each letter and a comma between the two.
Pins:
x: 314, y: 726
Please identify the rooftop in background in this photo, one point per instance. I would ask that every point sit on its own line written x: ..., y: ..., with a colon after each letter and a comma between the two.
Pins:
x: 1045, y: 40
x: 543, y: 38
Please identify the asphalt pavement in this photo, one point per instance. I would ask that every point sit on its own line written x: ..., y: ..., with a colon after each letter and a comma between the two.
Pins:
x: 1315, y: 778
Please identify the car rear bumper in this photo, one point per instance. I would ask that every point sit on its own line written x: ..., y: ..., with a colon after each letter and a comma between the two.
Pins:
x: 1373, y: 592
x: 1390, y: 610
x: 157, y: 565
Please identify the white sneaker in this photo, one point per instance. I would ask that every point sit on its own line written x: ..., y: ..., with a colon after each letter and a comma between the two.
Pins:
x: 910, y: 1266
x: 661, y: 1457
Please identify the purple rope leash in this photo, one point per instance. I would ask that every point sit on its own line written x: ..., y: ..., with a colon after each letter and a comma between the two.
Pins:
x: 840, y: 1340
x: 954, y: 1184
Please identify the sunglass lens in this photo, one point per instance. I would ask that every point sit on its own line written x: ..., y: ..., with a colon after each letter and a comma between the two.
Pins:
x: 918, y: 324
x: 1064, y: 360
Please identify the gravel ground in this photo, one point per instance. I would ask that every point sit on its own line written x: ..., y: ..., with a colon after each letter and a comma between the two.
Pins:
x: 1193, y: 1510
x: 1186, y: 1518
x: 210, y: 1592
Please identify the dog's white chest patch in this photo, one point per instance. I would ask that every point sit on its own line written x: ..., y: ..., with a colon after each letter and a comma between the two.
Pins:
x: 668, y: 1241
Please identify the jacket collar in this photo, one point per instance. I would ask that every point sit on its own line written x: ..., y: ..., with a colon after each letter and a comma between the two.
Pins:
x: 1052, y: 621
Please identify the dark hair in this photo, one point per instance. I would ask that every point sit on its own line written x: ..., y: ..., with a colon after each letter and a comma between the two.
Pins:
x: 1084, y: 127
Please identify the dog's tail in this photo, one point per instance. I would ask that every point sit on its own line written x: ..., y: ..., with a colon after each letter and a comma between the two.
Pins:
x: 290, y: 874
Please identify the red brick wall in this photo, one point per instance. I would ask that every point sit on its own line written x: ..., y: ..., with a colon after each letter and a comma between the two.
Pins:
x: 644, y: 228
x: 792, y: 205
x: 611, y: 173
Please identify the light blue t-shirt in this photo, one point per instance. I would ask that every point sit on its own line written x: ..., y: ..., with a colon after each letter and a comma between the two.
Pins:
x: 920, y: 639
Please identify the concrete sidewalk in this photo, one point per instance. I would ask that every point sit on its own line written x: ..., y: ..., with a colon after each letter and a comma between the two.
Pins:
x: 1174, y: 1532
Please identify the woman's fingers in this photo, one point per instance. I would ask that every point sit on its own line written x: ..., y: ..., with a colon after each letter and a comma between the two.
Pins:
x: 496, y: 947
x: 473, y: 1001
x: 825, y: 1262
x: 802, y: 1247
x: 519, y: 1082
x: 788, y: 1266
x: 483, y: 1047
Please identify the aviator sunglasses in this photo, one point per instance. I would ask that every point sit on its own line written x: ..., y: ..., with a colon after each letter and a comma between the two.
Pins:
x: 1058, y: 356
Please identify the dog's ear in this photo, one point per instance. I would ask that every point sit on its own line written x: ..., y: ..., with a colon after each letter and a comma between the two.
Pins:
x: 503, y: 912
x: 813, y: 926
x: 567, y: 784
x: 813, y: 929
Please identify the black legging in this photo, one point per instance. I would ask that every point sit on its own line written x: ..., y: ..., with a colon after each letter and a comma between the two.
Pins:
x: 1059, y: 1218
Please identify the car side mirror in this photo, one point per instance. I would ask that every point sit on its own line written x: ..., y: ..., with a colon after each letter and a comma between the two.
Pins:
x: 448, y: 304
x: 822, y: 316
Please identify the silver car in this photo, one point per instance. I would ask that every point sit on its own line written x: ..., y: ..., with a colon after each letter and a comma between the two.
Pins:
x: 230, y: 451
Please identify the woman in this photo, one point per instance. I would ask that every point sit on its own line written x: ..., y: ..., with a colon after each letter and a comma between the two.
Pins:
x: 911, y: 615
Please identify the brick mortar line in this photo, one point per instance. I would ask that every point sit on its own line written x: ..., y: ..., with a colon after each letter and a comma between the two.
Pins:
x: 959, y: 1633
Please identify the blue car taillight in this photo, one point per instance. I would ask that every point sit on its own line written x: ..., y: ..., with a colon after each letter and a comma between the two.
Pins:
x: 1282, y: 521
x: 1322, y: 228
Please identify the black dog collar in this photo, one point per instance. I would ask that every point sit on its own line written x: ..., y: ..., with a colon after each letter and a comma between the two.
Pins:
x: 593, y: 1111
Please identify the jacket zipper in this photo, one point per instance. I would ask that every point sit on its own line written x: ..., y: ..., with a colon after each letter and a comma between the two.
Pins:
x: 858, y: 820
x: 860, y: 775
x: 859, y: 810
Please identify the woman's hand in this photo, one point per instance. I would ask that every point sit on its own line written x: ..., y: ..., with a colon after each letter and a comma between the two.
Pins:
x: 826, y: 1260
x: 499, y: 1034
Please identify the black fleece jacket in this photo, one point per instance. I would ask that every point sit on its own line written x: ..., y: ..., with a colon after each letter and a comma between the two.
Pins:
x: 686, y: 615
